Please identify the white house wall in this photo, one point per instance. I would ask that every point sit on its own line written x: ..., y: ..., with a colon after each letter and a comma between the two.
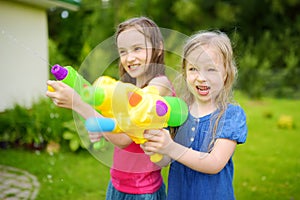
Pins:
x: 23, y: 46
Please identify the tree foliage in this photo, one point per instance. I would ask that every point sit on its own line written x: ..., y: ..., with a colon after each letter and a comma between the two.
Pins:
x: 265, y: 34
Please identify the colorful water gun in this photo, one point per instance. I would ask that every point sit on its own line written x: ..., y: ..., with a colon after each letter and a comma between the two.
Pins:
x: 72, y: 78
x: 127, y: 108
x: 132, y: 110
x: 69, y: 76
x: 100, y: 95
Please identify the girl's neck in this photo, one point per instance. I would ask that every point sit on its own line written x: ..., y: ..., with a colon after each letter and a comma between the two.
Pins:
x: 198, y: 109
x: 142, y: 80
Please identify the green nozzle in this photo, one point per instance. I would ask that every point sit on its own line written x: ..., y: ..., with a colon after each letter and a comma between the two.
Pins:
x: 178, y: 111
x: 93, y: 96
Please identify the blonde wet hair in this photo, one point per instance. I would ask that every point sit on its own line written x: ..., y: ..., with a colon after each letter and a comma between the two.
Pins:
x: 221, y: 44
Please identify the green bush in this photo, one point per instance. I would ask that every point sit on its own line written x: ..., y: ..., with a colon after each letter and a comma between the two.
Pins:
x: 36, y: 126
x: 268, y: 67
x: 71, y: 134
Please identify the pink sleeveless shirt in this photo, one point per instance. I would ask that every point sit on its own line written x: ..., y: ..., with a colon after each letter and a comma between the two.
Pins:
x: 133, y: 172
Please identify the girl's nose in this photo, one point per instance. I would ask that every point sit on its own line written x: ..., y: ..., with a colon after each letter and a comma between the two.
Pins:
x: 201, y: 77
x: 130, y: 57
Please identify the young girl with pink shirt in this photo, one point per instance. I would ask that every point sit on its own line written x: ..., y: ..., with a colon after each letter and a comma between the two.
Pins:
x: 141, y: 49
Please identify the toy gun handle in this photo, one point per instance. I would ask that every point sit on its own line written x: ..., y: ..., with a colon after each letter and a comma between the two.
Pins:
x: 95, y: 124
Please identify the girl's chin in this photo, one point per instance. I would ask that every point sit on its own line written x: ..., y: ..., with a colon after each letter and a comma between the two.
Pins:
x: 135, y: 73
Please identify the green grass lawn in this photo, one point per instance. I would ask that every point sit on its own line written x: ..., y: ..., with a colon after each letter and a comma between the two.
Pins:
x: 267, y: 166
x: 62, y: 176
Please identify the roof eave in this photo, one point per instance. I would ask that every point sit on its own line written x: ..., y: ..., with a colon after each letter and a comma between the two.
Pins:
x: 67, y: 4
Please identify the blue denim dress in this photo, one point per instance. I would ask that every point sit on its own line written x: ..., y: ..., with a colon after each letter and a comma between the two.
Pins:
x: 113, y: 194
x: 187, y: 184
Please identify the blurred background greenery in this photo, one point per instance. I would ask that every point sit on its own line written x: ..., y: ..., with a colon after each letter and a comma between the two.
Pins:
x: 265, y: 36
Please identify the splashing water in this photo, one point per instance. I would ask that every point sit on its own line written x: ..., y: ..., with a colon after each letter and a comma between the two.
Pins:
x: 11, y: 37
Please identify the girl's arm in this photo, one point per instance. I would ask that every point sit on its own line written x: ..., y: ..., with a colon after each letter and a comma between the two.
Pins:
x: 163, y: 84
x: 165, y: 88
x: 66, y: 97
x: 159, y: 141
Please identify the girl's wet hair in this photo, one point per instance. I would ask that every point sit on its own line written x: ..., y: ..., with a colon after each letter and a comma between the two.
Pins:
x: 222, y: 45
x: 152, y: 33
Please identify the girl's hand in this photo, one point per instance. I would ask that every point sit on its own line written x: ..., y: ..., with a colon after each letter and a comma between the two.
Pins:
x: 95, y: 137
x: 63, y: 96
x: 159, y: 141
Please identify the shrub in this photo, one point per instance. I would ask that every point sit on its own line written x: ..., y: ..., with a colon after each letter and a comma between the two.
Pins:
x: 285, y: 122
x: 35, y: 126
x: 71, y: 134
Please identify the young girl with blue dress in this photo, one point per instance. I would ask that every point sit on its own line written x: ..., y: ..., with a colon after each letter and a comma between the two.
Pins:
x: 202, y: 150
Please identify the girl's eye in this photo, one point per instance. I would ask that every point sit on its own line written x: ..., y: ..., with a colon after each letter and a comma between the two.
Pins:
x: 138, y: 48
x: 122, y: 52
x: 193, y: 69
x: 212, y: 69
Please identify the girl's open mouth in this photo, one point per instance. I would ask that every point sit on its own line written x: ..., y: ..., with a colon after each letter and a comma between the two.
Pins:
x: 133, y: 67
x: 203, y: 90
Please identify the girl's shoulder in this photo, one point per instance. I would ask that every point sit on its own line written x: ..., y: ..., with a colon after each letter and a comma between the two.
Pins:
x: 162, y: 79
x: 164, y: 85
x: 235, y: 114
x: 233, y: 124
x: 234, y: 109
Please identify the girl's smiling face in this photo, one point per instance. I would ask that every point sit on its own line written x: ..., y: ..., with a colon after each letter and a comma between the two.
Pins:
x: 135, y: 52
x: 205, y: 73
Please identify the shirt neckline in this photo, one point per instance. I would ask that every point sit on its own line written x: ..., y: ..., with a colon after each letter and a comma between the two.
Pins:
x: 203, y: 118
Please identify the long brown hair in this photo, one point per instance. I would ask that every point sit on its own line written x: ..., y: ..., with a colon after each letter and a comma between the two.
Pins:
x: 151, y: 32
